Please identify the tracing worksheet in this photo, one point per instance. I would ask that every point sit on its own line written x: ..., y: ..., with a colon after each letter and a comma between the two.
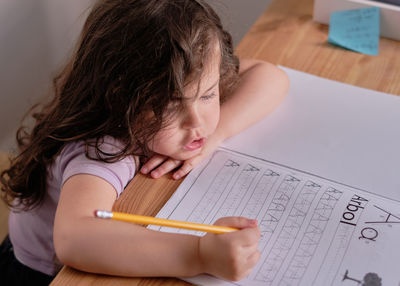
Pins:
x: 314, y: 231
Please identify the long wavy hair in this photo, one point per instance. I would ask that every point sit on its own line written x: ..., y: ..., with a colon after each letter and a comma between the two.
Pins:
x: 133, y: 57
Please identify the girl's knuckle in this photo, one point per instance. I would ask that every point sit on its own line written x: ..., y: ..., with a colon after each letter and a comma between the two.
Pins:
x: 189, y: 165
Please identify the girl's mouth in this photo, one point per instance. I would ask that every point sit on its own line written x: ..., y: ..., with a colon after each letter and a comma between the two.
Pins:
x: 195, y: 144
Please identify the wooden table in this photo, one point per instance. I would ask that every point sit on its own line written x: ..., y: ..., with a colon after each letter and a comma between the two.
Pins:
x: 286, y: 35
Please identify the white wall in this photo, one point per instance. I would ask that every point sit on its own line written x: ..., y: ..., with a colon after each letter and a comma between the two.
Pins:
x: 36, y: 37
x: 239, y: 15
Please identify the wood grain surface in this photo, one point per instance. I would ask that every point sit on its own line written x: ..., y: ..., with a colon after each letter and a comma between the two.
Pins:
x: 286, y: 35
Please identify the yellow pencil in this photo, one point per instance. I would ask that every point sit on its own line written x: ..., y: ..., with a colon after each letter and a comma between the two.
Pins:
x: 162, y: 222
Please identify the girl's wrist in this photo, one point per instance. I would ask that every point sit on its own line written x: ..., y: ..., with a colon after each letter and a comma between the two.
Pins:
x: 200, y: 265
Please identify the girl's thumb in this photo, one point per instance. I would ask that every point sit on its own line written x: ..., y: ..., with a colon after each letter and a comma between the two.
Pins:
x: 238, y: 222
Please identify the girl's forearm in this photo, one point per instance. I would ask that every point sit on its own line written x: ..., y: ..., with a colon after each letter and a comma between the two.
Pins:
x: 261, y: 88
x: 117, y: 248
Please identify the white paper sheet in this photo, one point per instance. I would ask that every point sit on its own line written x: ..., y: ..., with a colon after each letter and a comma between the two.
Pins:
x: 313, y: 231
x: 321, y: 175
x: 339, y: 131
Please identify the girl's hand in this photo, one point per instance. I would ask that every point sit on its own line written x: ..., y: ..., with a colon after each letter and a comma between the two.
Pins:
x: 231, y: 255
x: 159, y: 165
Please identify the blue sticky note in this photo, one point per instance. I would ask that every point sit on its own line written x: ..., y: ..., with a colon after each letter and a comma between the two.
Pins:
x: 356, y: 30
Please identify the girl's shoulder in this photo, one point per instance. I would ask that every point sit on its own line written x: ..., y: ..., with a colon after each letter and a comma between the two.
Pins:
x: 107, y: 146
x: 81, y: 158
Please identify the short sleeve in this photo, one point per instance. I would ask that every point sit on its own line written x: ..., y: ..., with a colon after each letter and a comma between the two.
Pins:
x: 73, y: 161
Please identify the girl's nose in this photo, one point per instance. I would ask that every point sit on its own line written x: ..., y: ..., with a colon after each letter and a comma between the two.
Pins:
x: 192, y: 118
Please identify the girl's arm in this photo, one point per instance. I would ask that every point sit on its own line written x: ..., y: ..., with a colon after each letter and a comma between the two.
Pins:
x: 117, y: 248
x: 262, y: 86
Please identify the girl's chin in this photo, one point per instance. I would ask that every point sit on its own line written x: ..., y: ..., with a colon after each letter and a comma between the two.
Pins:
x: 186, y: 155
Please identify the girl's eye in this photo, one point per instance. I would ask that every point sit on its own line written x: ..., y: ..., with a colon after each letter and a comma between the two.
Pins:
x: 208, y: 97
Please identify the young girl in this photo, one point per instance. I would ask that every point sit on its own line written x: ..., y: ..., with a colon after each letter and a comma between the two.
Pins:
x: 153, y: 86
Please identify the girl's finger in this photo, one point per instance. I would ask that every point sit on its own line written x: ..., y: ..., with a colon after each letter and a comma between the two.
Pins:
x: 253, y: 258
x: 183, y: 170
x: 253, y: 236
x: 165, y: 167
x: 237, y: 221
x: 153, y: 162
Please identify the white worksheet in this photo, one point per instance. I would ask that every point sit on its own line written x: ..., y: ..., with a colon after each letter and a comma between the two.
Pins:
x: 313, y: 231
x: 321, y: 176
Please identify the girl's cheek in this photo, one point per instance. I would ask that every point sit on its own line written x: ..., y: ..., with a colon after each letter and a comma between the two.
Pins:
x: 216, y: 118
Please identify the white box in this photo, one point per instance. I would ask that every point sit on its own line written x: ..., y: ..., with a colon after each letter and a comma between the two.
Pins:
x: 389, y: 16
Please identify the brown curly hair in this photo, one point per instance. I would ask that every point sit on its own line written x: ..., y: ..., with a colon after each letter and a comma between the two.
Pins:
x: 133, y: 57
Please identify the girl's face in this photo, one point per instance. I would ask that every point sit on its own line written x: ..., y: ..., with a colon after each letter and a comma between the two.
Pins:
x: 186, y: 134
